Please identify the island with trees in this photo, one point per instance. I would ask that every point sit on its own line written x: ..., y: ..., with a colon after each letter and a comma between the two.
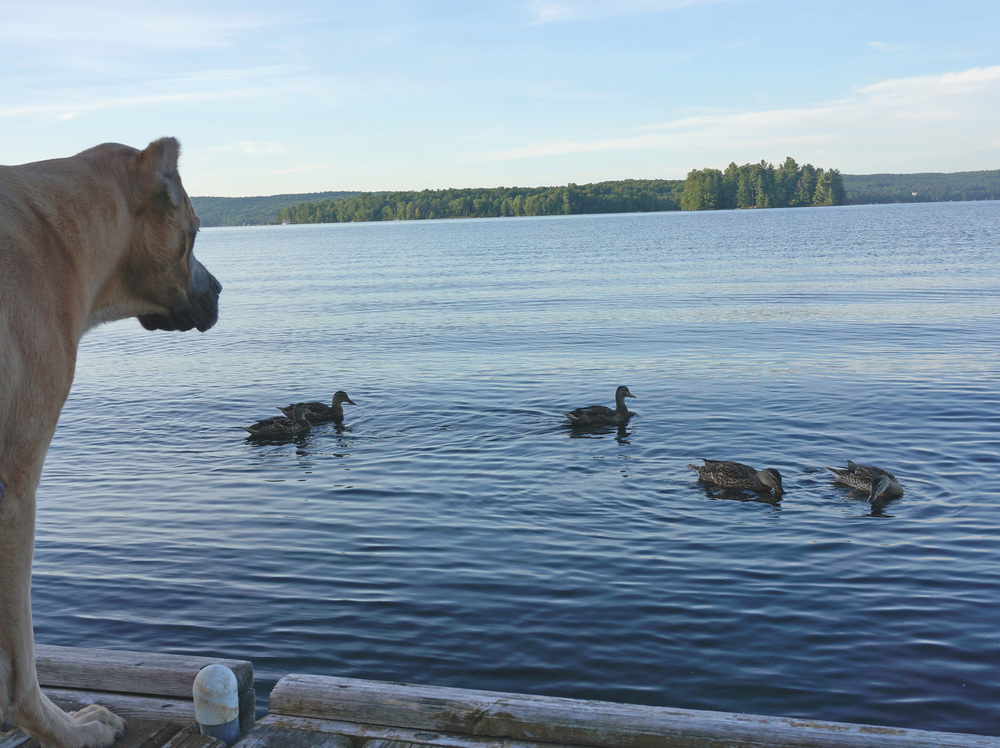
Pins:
x: 762, y: 186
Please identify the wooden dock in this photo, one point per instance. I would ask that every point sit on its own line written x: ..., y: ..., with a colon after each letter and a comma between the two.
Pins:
x: 153, y: 692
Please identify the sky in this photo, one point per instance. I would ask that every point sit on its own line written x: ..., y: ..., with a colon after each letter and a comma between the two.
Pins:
x: 291, y: 97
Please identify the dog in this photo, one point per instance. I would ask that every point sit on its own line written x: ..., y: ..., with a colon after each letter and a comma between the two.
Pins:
x: 100, y: 236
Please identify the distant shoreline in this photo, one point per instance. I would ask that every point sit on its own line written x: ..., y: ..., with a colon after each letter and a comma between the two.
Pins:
x: 622, y: 196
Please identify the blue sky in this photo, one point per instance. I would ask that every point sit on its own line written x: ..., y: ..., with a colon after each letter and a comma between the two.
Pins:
x: 274, y: 97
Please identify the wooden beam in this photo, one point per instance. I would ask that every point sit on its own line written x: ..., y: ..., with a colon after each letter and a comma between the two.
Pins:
x: 271, y: 735
x: 370, y: 736
x: 575, y: 722
x: 127, y: 706
x: 15, y: 739
x: 128, y: 672
x: 138, y: 734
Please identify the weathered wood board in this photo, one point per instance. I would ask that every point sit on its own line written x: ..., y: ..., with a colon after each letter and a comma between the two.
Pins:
x: 136, y: 685
x: 138, y: 734
x: 544, y: 719
x: 271, y: 735
x: 381, y: 736
x: 129, y: 672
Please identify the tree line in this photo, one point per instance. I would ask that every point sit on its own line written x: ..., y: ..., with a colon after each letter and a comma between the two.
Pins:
x: 750, y: 185
x: 253, y: 211
x: 762, y: 185
x: 627, y: 196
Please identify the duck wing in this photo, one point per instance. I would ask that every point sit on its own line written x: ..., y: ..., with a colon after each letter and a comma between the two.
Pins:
x: 593, y: 414
x: 869, y: 472
x: 265, y: 422
x: 860, y: 476
x: 728, y: 474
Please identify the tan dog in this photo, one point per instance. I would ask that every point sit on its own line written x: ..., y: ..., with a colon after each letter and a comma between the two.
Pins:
x: 103, y: 235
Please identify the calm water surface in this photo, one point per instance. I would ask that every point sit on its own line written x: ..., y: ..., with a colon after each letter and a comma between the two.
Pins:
x: 455, y: 532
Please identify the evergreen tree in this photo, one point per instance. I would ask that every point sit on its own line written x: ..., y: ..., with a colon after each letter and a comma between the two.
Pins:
x: 760, y: 185
x: 786, y: 180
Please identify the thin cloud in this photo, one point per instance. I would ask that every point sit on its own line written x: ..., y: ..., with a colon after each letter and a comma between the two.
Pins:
x: 303, y: 168
x: 205, y: 86
x: 64, y: 27
x: 570, y: 11
x: 887, y: 47
x: 61, y: 111
x: 255, y: 147
x: 268, y: 82
x: 891, y: 111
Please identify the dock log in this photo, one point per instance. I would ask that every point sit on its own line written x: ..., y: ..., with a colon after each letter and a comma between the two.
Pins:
x: 136, y: 685
x: 434, y: 715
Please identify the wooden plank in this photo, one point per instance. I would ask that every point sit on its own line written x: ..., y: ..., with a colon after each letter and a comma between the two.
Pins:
x: 127, y: 706
x: 278, y: 736
x: 189, y: 737
x: 576, y: 722
x: 129, y: 672
x: 16, y: 739
x: 248, y: 710
x: 382, y: 743
x: 144, y: 733
x: 138, y: 734
x: 364, y: 734
x: 132, y: 707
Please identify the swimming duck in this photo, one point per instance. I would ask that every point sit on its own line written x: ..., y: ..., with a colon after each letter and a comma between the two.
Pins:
x: 879, y: 484
x: 277, y: 427
x: 319, y: 412
x: 602, y: 415
x: 728, y: 474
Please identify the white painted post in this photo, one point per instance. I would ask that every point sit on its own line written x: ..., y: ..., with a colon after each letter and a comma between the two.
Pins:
x: 217, y: 703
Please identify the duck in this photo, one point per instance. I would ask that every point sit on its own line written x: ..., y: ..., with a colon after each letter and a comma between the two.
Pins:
x: 602, y: 415
x: 278, y: 427
x: 879, y: 484
x: 321, y: 411
x: 729, y: 474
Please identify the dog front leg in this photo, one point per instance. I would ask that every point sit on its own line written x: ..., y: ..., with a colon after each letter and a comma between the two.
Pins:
x: 21, y: 699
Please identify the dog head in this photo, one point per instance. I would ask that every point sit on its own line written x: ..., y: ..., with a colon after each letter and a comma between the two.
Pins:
x: 162, y: 272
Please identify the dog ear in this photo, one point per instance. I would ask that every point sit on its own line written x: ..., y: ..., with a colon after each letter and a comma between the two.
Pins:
x: 156, y: 170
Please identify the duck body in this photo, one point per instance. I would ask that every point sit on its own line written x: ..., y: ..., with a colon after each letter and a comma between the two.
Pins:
x: 278, y: 427
x: 879, y: 484
x: 736, y: 475
x: 602, y: 415
x: 318, y: 412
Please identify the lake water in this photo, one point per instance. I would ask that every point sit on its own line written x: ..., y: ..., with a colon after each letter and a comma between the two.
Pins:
x: 455, y: 532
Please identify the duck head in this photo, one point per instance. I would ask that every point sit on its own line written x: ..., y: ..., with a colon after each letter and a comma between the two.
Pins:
x: 882, y: 490
x: 341, y: 397
x: 771, y: 478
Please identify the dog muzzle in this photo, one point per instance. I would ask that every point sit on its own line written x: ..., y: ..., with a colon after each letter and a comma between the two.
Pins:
x: 199, y: 310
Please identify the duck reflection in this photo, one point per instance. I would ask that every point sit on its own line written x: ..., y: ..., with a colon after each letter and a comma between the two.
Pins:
x: 736, y: 494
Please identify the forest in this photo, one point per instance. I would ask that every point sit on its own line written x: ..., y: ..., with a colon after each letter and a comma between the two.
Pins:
x: 628, y: 196
x: 751, y: 185
x: 923, y: 188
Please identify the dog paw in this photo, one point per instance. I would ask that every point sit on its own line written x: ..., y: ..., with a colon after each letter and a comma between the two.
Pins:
x: 97, y: 727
